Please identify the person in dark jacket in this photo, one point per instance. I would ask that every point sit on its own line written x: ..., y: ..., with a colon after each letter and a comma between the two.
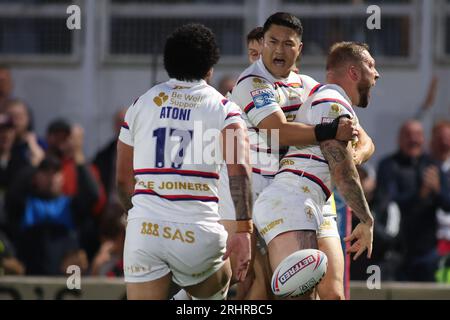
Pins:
x: 413, y: 180
x: 46, y: 220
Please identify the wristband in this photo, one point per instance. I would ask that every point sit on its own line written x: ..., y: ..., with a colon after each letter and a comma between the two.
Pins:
x: 327, y: 131
x: 244, y: 226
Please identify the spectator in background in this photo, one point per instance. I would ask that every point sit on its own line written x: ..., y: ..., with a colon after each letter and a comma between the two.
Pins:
x: 440, y: 151
x: 65, y: 142
x: 48, y: 221
x: 226, y: 84
x: 255, y: 43
x: 10, y: 167
x: 412, y: 180
x: 109, y: 259
x: 105, y: 160
x: 26, y: 144
x: 9, y: 264
x: 6, y: 85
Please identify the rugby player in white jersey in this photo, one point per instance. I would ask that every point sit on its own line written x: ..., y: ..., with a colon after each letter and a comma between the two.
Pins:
x: 171, y: 194
x: 255, y: 43
x: 288, y: 213
x: 270, y: 94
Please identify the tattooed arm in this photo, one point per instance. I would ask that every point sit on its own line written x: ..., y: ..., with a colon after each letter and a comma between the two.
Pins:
x: 236, y: 155
x: 125, y: 174
x: 240, y: 188
x: 346, y: 179
x: 236, y: 149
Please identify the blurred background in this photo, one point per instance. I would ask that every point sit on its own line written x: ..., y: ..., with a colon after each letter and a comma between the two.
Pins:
x: 63, y: 94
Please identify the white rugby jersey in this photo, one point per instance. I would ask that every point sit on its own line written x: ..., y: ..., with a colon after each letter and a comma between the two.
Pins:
x: 259, y: 94
x: 327, y: 103
x: 175, y: 180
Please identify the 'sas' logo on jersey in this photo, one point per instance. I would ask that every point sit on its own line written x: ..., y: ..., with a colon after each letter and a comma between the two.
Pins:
x: 160, y: 99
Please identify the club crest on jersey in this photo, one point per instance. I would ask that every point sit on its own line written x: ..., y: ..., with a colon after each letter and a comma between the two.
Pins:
x: 263, y: 97
x: 335, y: 110
x: 259, y: 83
x: 160, y: 99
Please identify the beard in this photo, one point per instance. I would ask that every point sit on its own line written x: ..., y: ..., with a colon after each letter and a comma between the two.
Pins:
x: 364, y: 90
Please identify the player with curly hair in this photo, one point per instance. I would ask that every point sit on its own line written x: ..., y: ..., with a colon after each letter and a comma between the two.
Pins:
x: 173, y: 231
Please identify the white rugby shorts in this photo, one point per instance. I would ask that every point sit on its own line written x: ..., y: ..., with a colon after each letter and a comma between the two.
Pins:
x: 153, y: 248
x: 329, y: 227
x: 290, y: 204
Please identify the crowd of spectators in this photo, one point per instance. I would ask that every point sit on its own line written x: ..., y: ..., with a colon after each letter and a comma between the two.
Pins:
x: 409, y: 195
x: 57, y: 208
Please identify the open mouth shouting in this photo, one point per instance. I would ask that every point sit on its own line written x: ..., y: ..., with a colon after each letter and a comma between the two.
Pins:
x: 279, y: 62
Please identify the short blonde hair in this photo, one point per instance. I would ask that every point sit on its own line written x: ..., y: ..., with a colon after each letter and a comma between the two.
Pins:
x: 345, y: 52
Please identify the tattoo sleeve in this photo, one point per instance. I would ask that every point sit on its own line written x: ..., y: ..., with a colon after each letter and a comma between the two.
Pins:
x: 240, y: 188
x: 346, y: 178
x: 125, y: 197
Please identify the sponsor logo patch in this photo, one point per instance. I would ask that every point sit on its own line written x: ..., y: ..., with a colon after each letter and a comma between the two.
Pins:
x: 270, y: 226
x: 160, y: 99
x: 263, y: 97
x: 327, y: 120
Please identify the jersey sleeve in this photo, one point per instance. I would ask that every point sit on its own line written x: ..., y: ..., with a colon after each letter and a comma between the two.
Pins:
x: 309, y: 85
x: 327, y: 106
x: 256, y: 97
x: 126, y: 135
x: 233, y: 113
